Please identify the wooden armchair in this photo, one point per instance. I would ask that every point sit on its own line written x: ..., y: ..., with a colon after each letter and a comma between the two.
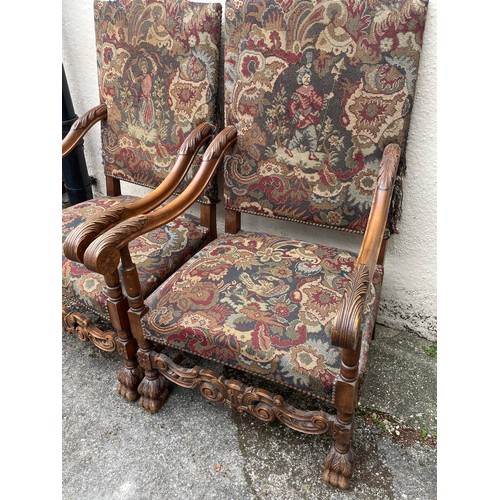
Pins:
x: 320, y: 95
x: 158, y: 71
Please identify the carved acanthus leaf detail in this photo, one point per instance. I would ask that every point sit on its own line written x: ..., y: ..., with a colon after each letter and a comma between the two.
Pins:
x: 80, y: 238
x: 345, y: 328
x: 192, y: 142
x: 117, y: 234
x: 388, y: 166
x: 339, y: 468
x: 97, y: 113
x: 226, y: 137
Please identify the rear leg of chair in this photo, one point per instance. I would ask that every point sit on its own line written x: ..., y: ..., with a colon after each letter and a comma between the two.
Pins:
x: 153, y: 387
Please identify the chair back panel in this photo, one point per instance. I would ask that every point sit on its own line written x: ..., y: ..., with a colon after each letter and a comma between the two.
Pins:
x: 316, y: 90
x: 158, y: 64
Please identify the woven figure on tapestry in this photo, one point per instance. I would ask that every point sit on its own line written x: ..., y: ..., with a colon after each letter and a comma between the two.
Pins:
x: 316, y: 91
x: 158, y: 72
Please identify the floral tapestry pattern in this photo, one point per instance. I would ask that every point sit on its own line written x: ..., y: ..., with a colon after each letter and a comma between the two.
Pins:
x: 317, y: 89
x: 260, y: 303
x: 158, y: 67
x: 156, y: 254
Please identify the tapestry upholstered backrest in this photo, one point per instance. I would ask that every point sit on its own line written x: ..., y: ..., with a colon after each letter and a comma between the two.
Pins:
x: 158, y: 64
x: 316, y: 90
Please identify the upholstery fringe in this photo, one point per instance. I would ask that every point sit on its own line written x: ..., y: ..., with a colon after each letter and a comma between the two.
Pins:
x: 397, y: 197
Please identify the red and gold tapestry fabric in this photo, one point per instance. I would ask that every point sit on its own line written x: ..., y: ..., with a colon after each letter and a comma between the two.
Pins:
x: 317, y: 89
x: 260, y: 303
x: 158, y: 67
x: 156, y: 254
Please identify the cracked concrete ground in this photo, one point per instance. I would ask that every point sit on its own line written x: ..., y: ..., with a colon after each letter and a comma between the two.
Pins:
x: 193, y: 449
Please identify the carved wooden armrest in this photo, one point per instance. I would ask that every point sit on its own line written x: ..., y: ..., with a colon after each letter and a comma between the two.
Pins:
x: 345, y: 327
x: 80, y: 238
x: 103, y: 254
x: 82, y: 126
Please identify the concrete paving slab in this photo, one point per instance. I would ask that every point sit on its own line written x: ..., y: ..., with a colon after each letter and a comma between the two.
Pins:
x: 193, y: 449
x: 401, y: 378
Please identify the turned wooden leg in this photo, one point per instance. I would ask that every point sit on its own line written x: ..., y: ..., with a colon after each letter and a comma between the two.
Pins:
x: 153, y: 389
x: 131, y: 373
x: 339, y: 463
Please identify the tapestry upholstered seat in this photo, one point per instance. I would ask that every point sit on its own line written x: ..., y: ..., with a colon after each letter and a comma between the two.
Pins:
x: 158, y: 71
x: 260, y: 303
x: 157, y: 254
x: 319, y: 94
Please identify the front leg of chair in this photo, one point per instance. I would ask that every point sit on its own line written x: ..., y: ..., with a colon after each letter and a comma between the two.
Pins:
x: 339, y: 463
x: 131, y: 373
x: 153, y: 389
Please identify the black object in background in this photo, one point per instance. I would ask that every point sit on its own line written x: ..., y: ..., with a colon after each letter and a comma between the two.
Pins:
x: 74, y: 168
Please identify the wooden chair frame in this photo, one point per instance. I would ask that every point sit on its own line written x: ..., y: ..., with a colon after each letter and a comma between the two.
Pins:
x: 103, y: 255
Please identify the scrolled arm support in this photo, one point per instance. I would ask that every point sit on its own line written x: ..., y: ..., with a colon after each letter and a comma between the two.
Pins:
x: 80, y: 238
x: 344, y: 330
x: 82, y: 126
x: 103, y: 254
